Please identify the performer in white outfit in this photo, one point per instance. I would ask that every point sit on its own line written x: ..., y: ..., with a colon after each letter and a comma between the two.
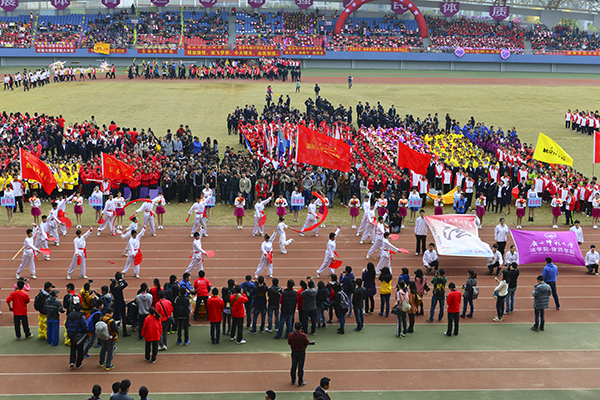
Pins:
x: 61, y: 205
x: 198, y: 253
x: 29, y: 251
x: 258, y: 212
x: 282, y: 236
x: 329, y: 253
x: 198, y: 209
x: 147, y: 208
x: 311, y: 217
x: 369, y: 227
x: 366, y: 205
x: 133, y: 247
x: 385, y: 258
x: 377, y: 243
x: 41, y: 239
x: 53, y: 223
x: 80, y: 254
x: 109, y: 215
x: 127, y: 232
x: 267, y: 249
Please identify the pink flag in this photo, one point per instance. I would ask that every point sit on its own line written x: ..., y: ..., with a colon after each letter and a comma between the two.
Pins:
x: 535, y: 246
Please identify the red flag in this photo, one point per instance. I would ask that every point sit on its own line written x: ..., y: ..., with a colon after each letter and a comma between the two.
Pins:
x: 115, y: 169
x: 317, y: 149
x: 412, y: 159
x: 596, y: 147
x: 33, y: 168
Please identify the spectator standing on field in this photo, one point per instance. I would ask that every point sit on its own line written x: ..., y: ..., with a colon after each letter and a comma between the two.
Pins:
x: 541, y: 301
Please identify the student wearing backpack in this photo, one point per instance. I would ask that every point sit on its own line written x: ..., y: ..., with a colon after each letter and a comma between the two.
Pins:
x: 96, y: 315
x: 401, y: 301
x: 439, y: 294
x: 469, y: 294
x: 215, y: 306
x: 347, y: 280
x: 453, y: 301
x: 341, y: 304
x: 415, y: 301
x: 152, y: 332
x: 107, y: 331
x: 76, y: 329
x: 53, y: 310
x: 502, y: 291
x: 182, y: 316
x: 385, y: 290
x: 38, y: 304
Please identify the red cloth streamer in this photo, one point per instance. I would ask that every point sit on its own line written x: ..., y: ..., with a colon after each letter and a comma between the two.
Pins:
x: 335, y: 264
x: 186, y: 220
x: 101, y: 220
x: 61, y: 214
x: 210, y: 253
x: 323, y: 217
x: 66, y: 221
x: 394, y: 236
x: 137, y: 260
x: 515, y: 192
x: 270, y: 256
x: 135, y: 201
x: 79, y: 257
x: 403, y: 251
x: 45, y: 251
x: 263, y: 219
x: 112, y: 262
x: 51, y: 239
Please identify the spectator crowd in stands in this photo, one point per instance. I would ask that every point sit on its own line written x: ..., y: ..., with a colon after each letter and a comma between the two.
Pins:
x: 283, y: 29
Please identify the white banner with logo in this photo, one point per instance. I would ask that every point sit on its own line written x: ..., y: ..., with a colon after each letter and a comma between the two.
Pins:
x: 457, y: 235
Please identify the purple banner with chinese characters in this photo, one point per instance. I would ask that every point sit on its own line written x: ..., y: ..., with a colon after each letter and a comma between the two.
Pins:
x: 9, y: 5
x: 535, y: 246
x: 449, y: 8
x: 499, y: 13
x: 399, y: 8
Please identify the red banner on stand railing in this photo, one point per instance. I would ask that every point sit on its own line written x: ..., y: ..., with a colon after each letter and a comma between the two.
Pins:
x: 233, y: 53
x: 304, y: 51
x: 55, y: 47
x: 156, y: 51
x: 380, y: 49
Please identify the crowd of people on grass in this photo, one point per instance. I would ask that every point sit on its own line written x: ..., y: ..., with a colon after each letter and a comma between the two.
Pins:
x: 484, y: 163
x: 584, y: 122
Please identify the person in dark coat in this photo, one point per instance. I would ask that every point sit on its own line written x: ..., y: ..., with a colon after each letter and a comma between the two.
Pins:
x: 76, y: 329
x: 541, y: 301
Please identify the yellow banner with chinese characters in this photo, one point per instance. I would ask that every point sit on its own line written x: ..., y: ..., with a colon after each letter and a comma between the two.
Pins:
x: 548, y: 151
x: 102, y: 48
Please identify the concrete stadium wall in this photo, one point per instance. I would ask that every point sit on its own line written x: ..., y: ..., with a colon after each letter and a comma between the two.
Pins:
x: 338, y: 60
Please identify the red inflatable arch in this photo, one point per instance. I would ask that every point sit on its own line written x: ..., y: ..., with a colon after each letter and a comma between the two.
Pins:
x: 355, y: 5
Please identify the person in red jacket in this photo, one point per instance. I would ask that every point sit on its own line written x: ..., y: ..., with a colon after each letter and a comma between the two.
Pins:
x: 453, y: 302
x: 151, y: 332
x: 17, y: 302
x: 165, y: 309
x: 215, y: 306
x: 238, y: 312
